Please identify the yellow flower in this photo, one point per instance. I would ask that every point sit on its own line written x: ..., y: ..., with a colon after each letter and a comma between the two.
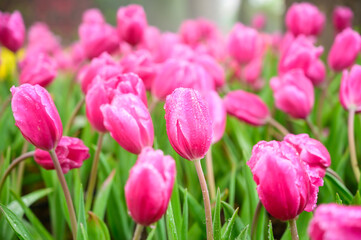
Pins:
x: 8, y: 62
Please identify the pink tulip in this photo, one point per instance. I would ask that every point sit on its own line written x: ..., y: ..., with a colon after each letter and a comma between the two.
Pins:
x: 218, y: 114
x: 247, y: 107
x: 38, y: 69
x: 214, y: 69
x: 333, y: 221
x: 344, y: 50
x: 316, y: 159
x: 129, y: 123
x: 350, y: 89
x: 70, y: 151
x: 41, y: 39
x: 97, y: 37
x: 150, y: 40
x: 259, y: 21
x: 36, y: 116
x: 282, y: 182
x: 12, y: 30
x: 188, y: 123
x: 166, y: 44
x: 93, y: 15
x: 293, y: 93
x: 149, y: 186
x: 305, y: 18
x: 242, y: 43
x: 316, y: 72
x: 342, y: 18
x: 252, y: 72
x: 131, y: 22
x: 77, y: 55
x: 104, y: 66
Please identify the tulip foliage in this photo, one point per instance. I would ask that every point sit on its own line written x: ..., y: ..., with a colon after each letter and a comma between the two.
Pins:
x: 99, y: 138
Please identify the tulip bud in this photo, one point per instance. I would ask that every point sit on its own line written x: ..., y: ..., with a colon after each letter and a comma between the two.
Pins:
x: 304, y: 18
x: 350, y: 89
x: 259, y: 21
x: 293, y: 93
x: 282, y: 182
x: 129, y: 122
x: 36, y: 116
x: 71, y: 153
x: 212, y: 67
x: 344, y: 50
x: 41, y: 39
x: 242, y: 43
x: 333, y: 221
x: 218, y: 114
x: 149, y: 186
x: 131, y: 22
x: 12, y: 30
x: 93, y: 15
x: 247, y: 107
x: 342, y: 18
x: 39, y: 69
x: 188, y: 123
x: 316, y: 72
x: 252, y: 72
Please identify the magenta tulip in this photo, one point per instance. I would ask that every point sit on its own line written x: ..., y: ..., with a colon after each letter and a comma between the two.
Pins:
x: 36, y: 116
x: 214, y: 69
x: 38, y: 69
x: 71, y: 153
x: 247, y: 107
x: 93, y: 15
x: 131, y: 22
x: 188, y: 122
x: 252, y: 72
x: 129, y: 122
x: 259, y: 21
x: 149, y: 186
x: 333, y: 221
x: 344, y: 50
x: 350, y: 89
x: 12, y: 30
x: 304, y: 18
x: 41, y: 39
x: 218, y: 114
x: 316, y: 72
x: 342, y: 18
x: 293, y: 93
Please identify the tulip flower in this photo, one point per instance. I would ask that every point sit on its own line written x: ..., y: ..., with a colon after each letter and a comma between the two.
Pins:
x: 259, y: 21
x: 149, y: 186
x: 131, y: 22
x: 293, y: 93
x: 344, y: 50
x: 304, y: 18
x: 214, y: 69
x: 247, y: 107
x: 129, y: 122
x: 41, y: 39
x: 316, y: 72
x: 12, y: 30
x: 93, y: 15
x: 342, y: 18
x: 39, y: 69
x: 251, y: 73
x: 36, y: 116
x: 166, y: 44
x: 150, y: 41
x: 70, y: 151
x: 242, y: 43
x: 333, y: 221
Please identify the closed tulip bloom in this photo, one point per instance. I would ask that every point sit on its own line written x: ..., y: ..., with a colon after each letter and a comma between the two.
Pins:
x: 41, y: 39
x: 36, y: 116
x: 71, y: 153
x: 316, y: 72
x: 350, y: 89
x: 12, y: 30
x: 282, y: 182
x: 293, y: 93
x: 304, y: 18
x: 93, y: 15
x: 252, y: 72
x: 259, y: 21
x: 149, y: 186
x: 188, y: 123
x: 131, y: 23
x: 344, y: 50
x: 39, y: 69
x: 333, y: 221
x: 247, y: 107
x: 129, y: 122
x: 214, y: 69
x: 218, y: 114
x: 242, y: 43
x: 342, y: 18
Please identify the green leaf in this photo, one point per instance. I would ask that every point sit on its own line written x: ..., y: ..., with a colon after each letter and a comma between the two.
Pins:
x: 217, y: 217
x: 176, y: 207
x: 97, y: 228
x: 151, y: 233
x: 16, y: 223
x: 227, y: 233
x: 270, y: 231
x: 195, y: 208
x: 228, y: 211
x: 340, y: 188
x: 243, y: 234
x: 184, y: 228
x: 171, y: 228
x: 81, y: 218
x: 356, y: 199
x: 338, y: 199
x: 101, y: 200
x: 83, y: 233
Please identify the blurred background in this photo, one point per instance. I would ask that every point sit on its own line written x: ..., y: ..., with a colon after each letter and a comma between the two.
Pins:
x: 64, y: 16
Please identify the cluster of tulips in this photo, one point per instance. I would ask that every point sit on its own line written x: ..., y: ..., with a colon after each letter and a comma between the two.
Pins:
x: 125, y: 71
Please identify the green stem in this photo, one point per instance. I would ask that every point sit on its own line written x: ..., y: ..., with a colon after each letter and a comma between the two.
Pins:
x: 278, y: 126
x: 65, y: 188
x: 5, y: 105
x: 93, y: 173
x: 153, y: 104
x: 13, y: 165
x: 351, y: 144
x: 314, y: 131
x: 210, y: 173
x: 73, y: 115
x: 21, y: 169
x: 207, y: 202
x: 293, y: 228
x: 255, y: 218
x: 138, y: 232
